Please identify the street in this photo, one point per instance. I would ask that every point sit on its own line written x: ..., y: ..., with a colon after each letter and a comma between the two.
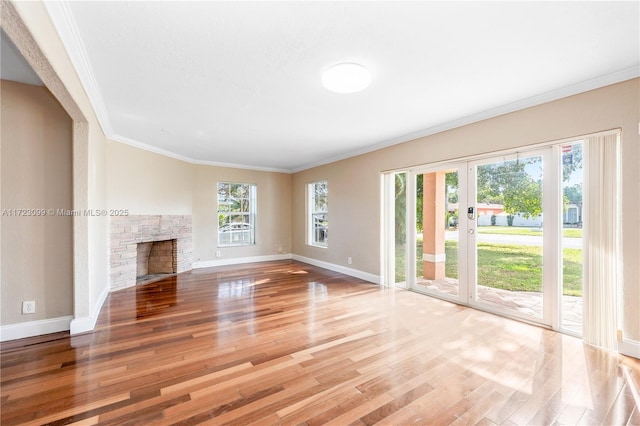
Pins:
x: 522, y: 240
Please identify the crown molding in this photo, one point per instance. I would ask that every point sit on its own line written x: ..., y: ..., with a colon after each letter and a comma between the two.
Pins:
x: 574, y: 89
x: 132, y: 142
x: 62, y: 18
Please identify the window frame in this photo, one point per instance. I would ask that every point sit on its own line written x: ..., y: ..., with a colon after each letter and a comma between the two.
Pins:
x: 313, y: 213
x: 249, y: 211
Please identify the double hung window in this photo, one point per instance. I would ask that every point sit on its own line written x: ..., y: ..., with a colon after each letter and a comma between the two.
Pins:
x: 318, y: 225
x: 236, y: 214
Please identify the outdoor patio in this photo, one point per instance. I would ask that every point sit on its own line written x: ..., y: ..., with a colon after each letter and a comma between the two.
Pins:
x: 520, y: 301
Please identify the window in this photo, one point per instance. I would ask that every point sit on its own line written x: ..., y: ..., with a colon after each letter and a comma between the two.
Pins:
x: 236, y: 214
x: 318, y: 226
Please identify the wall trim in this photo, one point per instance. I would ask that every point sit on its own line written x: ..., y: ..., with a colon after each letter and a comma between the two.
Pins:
x: 239, y: 260
x: 34, y: 328
x: 342, y: 269
x: 629, y: 348
x: 85, y: 324
x: 326, y: 265
x: 63, y: 21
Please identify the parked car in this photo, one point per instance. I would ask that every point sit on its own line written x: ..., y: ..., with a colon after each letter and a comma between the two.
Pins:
x: 236, y: 226
x: 235, y: 233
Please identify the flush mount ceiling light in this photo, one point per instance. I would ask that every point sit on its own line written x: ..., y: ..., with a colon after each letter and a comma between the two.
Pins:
x: 346, y: 78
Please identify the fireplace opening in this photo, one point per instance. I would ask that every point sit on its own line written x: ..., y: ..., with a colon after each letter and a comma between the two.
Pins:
x: 156, y: 260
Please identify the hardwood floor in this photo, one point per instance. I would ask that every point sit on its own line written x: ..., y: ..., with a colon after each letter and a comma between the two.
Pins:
x: 288, y: 343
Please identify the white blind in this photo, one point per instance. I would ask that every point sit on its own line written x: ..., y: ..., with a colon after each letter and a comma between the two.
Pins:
x: 602, y: 271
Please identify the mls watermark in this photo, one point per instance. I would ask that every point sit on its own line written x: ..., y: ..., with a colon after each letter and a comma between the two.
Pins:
x: 64, y: 212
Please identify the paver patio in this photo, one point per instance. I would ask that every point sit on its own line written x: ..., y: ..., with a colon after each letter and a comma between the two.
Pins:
x: 521, y: 301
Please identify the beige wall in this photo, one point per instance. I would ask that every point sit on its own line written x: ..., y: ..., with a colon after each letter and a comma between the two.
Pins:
x: 143, y: 182
x: 354, y: 183
x: 31, y: 30
x: 147, y: 183
x: 273, y: 222
x: 37, y: 252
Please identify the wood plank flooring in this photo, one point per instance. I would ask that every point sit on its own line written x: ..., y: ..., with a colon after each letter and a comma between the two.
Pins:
x: 289, y: 343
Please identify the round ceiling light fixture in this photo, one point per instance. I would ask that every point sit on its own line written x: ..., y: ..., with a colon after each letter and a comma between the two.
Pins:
x: 346, y: 78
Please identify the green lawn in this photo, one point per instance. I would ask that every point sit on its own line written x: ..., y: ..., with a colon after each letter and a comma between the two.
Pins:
x: 508, y: 267
x: 514, y: 230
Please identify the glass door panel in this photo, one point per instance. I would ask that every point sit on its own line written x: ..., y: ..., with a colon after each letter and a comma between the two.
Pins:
x: 472, y: 232
x: 400, y: 228
x: 436, y: 227
x: 572, y: 242
x: 508, y: 239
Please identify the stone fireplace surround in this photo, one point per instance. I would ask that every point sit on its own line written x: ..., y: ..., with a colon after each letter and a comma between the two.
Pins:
x: 128, y: 231
x: 156, y: 257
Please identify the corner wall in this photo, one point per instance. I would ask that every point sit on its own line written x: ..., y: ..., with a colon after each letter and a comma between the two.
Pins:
x: 273, y: 221
x: 31, y: 30
x: 145, y: 183
x: 37, y: 245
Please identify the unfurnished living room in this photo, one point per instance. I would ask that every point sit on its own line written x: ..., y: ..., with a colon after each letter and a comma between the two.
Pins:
x: 320, y: 212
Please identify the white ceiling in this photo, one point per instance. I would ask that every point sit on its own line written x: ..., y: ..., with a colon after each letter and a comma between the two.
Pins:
x: 239, y: 83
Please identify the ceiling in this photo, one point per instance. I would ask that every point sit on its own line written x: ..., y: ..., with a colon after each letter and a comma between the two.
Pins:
x: 239, y: 83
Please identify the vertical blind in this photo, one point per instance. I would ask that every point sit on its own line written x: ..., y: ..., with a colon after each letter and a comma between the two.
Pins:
x: 602, y: 266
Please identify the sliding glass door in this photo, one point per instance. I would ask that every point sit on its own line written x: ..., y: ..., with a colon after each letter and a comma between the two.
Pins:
x: 437, y: 194
x: 502, y: 233
x: 572, y: 241
x: 506, y: 238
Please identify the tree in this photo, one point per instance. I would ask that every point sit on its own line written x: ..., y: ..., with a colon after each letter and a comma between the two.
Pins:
x: 419, y: 201
x: 400, y: 207
x: 574, y: 193
x: 450, y: 196
x: 510, y: 184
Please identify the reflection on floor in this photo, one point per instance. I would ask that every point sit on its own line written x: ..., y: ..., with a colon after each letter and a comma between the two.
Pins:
x: 525, y: 302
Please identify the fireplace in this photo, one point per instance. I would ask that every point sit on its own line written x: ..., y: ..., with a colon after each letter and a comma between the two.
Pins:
x: 155, y: 259
x: 143, y: 246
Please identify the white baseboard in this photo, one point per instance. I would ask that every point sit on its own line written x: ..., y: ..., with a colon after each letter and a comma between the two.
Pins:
x: 629, y: 348
x: 34, y: 328
x: 85, y: 324
x: 240, y: 260
x: 337, y: 268
x: 326, y: 265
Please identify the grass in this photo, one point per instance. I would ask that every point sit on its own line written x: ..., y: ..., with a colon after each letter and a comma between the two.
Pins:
x: 507, y: 267
x: 515, y: 230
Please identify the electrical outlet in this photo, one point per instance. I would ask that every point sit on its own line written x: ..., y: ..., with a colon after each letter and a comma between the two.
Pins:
x: 218, y: 253
x: 349, y: 260
x: 29, y: 307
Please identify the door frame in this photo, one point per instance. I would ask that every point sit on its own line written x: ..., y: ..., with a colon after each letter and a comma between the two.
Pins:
x: 552, y: 228
x: 551, y: 231
x: 412, y: 256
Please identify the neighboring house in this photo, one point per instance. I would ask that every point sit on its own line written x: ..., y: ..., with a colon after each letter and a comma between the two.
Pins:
x: 489, y: 209
x: 483, y: 208
x: 573, y: 214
